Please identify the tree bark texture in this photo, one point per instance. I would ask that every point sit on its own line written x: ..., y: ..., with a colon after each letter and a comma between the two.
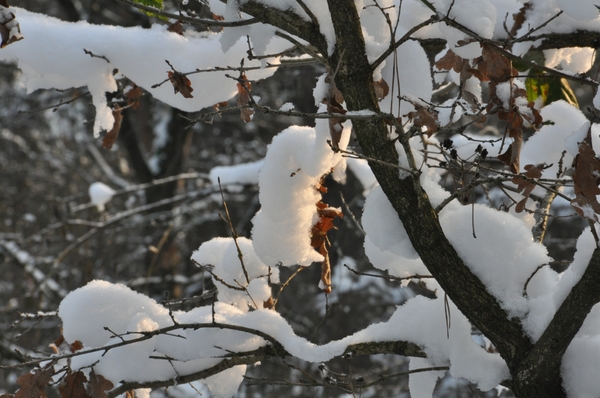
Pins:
x: 535, y: 368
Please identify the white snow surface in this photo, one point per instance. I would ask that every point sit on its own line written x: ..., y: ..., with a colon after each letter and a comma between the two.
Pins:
x: 228, y: 266
x: 296, y: 160
x: 52, y: 56
x: 234, y: 177
x: 88, y: 311
x: 100, y: 194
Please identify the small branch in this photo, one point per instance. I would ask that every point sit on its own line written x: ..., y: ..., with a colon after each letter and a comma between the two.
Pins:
x: 91, y: 54
x: 234, y: 234
x: 395, y: 45
x: 307, y: 10
x: 191, y: 20
x: 388, y: 277
x: 287, y: 282
x: 56, y: 106
x: 528, y: 35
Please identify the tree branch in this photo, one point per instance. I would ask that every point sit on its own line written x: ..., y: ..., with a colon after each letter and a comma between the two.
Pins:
x: 409, y: 199
x: 288, y: 21
x: 191, y: 20
x: 541, y: 367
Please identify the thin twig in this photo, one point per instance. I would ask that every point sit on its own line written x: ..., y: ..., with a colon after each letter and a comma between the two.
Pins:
x: 234, y: 233
x: 389, y: 277
x: 191, y: 20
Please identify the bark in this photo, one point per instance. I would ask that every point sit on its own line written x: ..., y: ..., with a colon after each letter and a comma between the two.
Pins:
x: 408, y: 198
x: 535, y: 369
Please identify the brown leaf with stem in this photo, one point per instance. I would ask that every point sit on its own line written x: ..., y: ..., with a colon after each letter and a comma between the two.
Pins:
x: 335, y: 123
x: 319, y: 241
x: 98, y: 385
x: 381, y: 89
x: 176, y: 27
x: 526, y: 185
x: 586, y: 179
x: 244, y: 89
x: 111, y: 136
x: 450, y: 61
x: 74, y: 386
x: 133, y: 96
x: 10, y: 30
x: 33, y: 384
x: 426, y: 118
x: 181, y: 84
x: 494, y: 65
x: 512, y: 155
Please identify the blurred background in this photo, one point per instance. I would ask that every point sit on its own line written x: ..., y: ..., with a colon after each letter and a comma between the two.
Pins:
x: 52, y: 240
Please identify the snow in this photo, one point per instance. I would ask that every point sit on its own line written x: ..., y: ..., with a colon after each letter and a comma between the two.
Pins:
x: 421, y: 385
x: 222, y: 255
x: 102, y: 313
x: 234, y: 177
x: 387, y: 244
x: 498, y: 247
x: 100, y: 194
x: 136, y: 53
x: 572, y: 59
x: 296, y: 160
x: 503, y: 261
x: 584, y: 10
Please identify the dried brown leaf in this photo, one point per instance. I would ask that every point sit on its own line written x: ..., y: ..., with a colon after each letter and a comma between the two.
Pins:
x: 381, y: 89
x: 10, y: 30
x: 133, y: 96
x: 176, y: 27
x: 33, y: 384
x: 74, y: 386
x: 335, y: 123
x: 511, y: 156
x: 326, y: 273
x: 450, y: 61
x: 425, y: 117
x: 586, y: 179
x: 494, y: 65
x: 526, y: 185
x: 111, y: 136
x: 98, y: 385
x: 181, y: 84
x: 244, y: 89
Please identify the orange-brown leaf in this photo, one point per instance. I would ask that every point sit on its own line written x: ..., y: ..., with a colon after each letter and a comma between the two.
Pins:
x: 450, y: 61
x: 268, y: 304
x: 381, y: 89
x: 176, y: 27
x: 10, y: 31
x: 526, y: 185
x: 244, y: 89
x: 511, y: 158
x: 98, y: 385
x: 76, y: 346
x: 586, y: 179
x: 326, y: 272
x: 74, y: 386
x: 335, y: 123
x: 111, y: 136
x: 33, y: 384
x: 181, y: 84
x: 133, y: 96
x: 425, y: 117
x: 494, y: 65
